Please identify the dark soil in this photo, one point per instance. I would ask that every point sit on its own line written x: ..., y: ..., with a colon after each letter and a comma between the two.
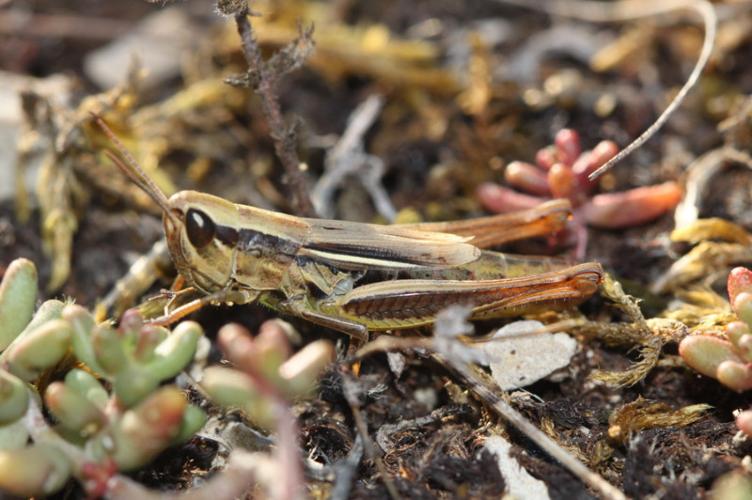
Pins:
x: 445, y: 458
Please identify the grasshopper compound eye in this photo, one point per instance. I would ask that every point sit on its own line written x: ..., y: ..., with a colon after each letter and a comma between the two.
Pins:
x: 200, y: 228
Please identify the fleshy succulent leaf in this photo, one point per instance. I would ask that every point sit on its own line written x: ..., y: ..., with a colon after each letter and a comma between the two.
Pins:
x: 228, y: 387
x: 735, y: 375
x: 705, y: 353
x: 736, y: 330
x: 18, y: 295
x: 176, y: 351
x: 83, y: 325
x: 742, y: 306
x: 149, y: 428
x: 14, y: 398
x: 739, y: 280
x: 149, y: 337
x: 13, y: 436
x: 108, y: 349
x: 133, y: 384
x: 74, y: 411
x: 301, y: 372
x: 49, y: 310
x: 39, y: 349
x: 193, y: 420
x: 39, y: 469
x: 88, y: 386
x: 744, y: 422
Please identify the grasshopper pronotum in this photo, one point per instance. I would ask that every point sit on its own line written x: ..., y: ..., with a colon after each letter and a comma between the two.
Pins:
x: 356, y: 277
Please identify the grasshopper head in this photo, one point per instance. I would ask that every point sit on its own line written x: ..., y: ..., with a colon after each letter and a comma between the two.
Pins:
x: 200, y: 236
x: 198, y: 226
x: 208, y: 246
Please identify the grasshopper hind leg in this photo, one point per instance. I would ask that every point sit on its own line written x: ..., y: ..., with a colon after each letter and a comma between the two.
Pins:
x: 303, y: 309
x: 410, y: 303
x: 356, y: 330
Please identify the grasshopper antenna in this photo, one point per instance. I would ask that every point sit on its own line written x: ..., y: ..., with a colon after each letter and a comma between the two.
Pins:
x: 130, y: 167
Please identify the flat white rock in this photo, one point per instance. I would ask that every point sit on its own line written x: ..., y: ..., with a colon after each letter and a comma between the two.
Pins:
x: 520, y: 484
x: 517, y: 359
x: 159, y: 42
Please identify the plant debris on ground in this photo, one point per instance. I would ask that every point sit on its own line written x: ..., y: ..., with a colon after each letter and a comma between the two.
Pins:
x: 390, y: 112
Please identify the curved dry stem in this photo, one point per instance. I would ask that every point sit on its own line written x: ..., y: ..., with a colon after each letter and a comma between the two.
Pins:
x: 699, y: 174
x: 599, y: 12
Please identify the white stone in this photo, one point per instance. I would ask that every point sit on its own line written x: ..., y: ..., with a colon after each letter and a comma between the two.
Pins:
x: 159, y: 43
x: 520, y: 484
x: 397, y: 362
x: 517, y: 359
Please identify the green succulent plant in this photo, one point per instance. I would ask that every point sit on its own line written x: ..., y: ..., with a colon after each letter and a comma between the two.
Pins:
x: 265, y: 379
x: 265, y: 374
x: 728, y: 359
x: 110, y: 410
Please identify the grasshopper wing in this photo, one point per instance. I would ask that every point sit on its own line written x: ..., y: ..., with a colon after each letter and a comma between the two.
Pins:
x: 545, y: 219
x: 357, y: 246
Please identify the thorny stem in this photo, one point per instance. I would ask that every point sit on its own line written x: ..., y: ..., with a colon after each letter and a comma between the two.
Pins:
x: 283, y: 142
x: 604, y: 488
x: 600, y: 12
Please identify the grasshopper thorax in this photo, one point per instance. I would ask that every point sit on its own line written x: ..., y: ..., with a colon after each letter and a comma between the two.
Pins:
x: 216, y: 244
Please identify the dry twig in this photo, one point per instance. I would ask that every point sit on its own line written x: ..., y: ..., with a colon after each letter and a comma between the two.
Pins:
x: 519, y: 422
x: 348, y: 157
x: 263, y: 76
x: 457, y: 359
x: 351, y: 395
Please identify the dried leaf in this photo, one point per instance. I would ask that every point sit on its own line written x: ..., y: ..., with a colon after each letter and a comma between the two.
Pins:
x: 713, y: 228
x: 643, y: 414
x: 703, y: 260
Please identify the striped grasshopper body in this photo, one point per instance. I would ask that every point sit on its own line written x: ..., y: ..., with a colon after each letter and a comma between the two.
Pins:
x: 356, y: 277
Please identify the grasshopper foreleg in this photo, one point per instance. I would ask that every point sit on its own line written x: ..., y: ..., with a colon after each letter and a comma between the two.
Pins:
x: 225, y: 296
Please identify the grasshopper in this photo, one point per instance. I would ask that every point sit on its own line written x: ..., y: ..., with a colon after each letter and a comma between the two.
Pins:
x: 356, y: 277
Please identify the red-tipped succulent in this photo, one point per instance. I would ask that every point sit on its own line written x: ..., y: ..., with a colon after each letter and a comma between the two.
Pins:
x: 728, y: 360
x: 562, y: 171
